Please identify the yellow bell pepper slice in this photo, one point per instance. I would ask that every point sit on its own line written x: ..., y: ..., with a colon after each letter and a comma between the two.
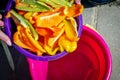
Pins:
x: 53, y: 40
x: 33, y: 41
x: 71, y: 29
x: 50, y: 50
x: 66, y: 44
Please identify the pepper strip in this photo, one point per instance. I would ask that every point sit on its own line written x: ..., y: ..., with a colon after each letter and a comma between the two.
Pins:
x: 29, y: 5
x: 24, y: 22
x: 34, y: 42
x: 21, y: 40
x: 70, y: 30
x: 67, y: 45
x: 50, y: 50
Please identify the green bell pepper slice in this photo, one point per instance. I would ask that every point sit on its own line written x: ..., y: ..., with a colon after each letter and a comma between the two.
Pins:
x: 24, y: 22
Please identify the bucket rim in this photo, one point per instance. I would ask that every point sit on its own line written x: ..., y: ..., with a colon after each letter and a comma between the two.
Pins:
x: 106, y: 49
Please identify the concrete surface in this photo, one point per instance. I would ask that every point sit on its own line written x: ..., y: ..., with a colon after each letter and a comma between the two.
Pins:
x: 106, y: 20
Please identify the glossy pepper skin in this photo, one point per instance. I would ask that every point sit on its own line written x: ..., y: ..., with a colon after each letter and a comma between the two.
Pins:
x: 71, y: 29
x: 32, y: 5
x: 25, y: 23
x: 33, y: 41
x: 66, y: 44
x: 24, y: 39
x: 49, y: 31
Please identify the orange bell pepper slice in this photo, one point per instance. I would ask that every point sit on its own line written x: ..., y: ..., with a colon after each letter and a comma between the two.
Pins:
x: 53, y: 40
x: 46, y: 32
x: 18, y: 41
x: 49, y: 19
x: 24, y: 39
x: 21, y: 41
x: 33, y: 41
x: 74, y: 11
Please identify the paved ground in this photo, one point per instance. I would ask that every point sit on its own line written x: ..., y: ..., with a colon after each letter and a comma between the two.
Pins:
x: 106, y: 19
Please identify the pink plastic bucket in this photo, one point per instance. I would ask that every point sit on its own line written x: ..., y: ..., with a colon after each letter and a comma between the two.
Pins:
x: 91, y: 61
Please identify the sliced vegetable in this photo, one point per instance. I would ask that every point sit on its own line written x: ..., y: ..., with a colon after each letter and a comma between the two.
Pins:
x: 52, y: 40
x: 52, y: 18
x: 18, y: 41
x: 46, y: 26
x: 66, y: 44
x: 70, y: 1
x: 34, y: 42
x: 62, y: 2
x: 28, y: 5
x: 73, y: 46
x: 27, y: 1
x: 25, y: 23
x: 74, y: 10
x: 46, y: 32
x: 21, y: 40
x: 70, y: 30
x: 51, y: 3
x: 28, y: 15
x: 50, y: 50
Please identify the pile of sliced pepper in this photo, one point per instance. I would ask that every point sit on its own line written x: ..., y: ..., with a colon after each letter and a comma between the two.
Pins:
x: 46, y: 26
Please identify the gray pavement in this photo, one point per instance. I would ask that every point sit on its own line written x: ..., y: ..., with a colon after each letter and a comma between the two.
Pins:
x: 106, y: 20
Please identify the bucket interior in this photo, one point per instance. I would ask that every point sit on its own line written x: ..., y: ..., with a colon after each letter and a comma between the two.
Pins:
x: 91, y: 60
